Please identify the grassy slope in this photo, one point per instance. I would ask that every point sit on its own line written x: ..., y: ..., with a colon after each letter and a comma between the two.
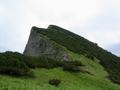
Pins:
x: 69, y: 81
x: 80, y: 45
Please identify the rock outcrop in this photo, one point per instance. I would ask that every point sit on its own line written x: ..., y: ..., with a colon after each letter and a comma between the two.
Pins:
x: 40, y: 45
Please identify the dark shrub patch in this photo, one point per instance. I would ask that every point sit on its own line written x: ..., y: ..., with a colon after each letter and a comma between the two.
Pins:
x: 71, y: 68
x: 76, y: 63
x: 113, y: 67
x: 54, y: 82
x: 114, y: 78
x: 16, y: 64
x: 41, y: 62
x: 90, y: 56
x: 44, y: 62
x: 11, y: 65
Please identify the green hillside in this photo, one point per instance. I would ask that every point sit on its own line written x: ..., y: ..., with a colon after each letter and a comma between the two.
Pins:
x: 69, y: 80
x: 80, y: 45
x: 92, y: 68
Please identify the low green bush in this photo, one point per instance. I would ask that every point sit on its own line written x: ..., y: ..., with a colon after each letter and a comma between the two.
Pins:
x: 45, y: 62
x: 76, y: 63
x: 11, y: 65
x: 41, y: 62
x: 16, y: 64
x: 90, y: 56
x: 71, y: 67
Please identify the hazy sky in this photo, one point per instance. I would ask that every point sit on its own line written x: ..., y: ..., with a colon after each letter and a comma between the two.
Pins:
x: 96, y: 20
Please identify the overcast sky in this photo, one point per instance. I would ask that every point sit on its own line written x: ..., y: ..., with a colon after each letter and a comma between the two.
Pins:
x: 96, y: 20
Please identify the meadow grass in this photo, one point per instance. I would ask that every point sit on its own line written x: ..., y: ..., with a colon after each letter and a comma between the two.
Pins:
x: 69, y: 80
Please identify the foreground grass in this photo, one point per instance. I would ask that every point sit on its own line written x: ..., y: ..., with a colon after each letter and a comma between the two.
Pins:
x: 96, y: 80
x: 69, y: 81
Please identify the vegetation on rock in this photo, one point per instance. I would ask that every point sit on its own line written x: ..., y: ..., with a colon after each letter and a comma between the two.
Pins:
x: 80, y: 45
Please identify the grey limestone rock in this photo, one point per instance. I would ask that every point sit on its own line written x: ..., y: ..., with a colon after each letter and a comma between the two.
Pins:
x: 40, y: 45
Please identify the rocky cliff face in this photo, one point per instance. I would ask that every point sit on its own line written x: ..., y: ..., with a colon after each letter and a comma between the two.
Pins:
x: 40, y: 45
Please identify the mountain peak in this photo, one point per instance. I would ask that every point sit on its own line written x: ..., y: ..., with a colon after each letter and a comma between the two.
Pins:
x: 53, y: 26
x: 41, y: 45
x: 57, y: 42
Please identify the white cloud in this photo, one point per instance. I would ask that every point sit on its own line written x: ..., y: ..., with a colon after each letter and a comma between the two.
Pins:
x: 115, y: 3
x: 62, y: 12
x: 104, y: 38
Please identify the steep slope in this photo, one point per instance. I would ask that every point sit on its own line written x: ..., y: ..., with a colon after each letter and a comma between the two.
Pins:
x: 40, y: 45
x: 82, y: 46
